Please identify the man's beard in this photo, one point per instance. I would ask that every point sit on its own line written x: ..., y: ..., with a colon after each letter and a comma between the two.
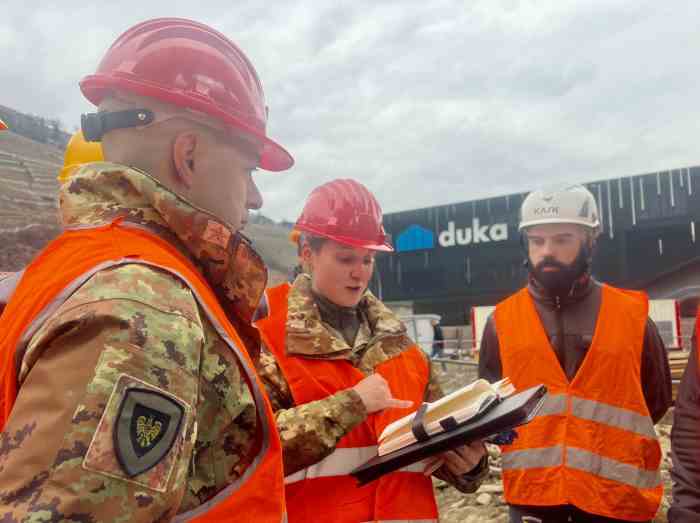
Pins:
x: 560, y: 282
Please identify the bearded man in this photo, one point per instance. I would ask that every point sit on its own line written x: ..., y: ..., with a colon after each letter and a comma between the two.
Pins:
x: 591, y: 454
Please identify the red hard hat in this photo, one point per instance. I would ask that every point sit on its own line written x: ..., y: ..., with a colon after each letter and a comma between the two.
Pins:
x: 3, y: 126
x: 346, y: 212
x: 193, y: 66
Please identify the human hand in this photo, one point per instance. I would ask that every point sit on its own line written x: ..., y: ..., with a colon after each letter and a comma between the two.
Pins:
x: 459, y: 461
x: 376, y: 395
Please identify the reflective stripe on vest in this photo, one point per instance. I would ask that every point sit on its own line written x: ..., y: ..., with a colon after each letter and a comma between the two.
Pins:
x: 599, y: 412
x: 614, y: 416
x: 593, y: 442
x: 582, y: 460
x: 325, y: 492
x: 342, y: 461
x: 66, y: 264
x: 553, y: 404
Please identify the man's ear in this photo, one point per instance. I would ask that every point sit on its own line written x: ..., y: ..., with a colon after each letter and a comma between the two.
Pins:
x: 306, y: 254
x: 184, y: 147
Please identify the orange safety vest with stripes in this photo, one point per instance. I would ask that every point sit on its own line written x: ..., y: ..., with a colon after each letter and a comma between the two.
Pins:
x: 68, y: 262
x: 593, y: 444
x: 325, y: 492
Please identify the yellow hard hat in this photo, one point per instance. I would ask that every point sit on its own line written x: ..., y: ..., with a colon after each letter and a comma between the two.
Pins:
x: 3, y: 125
x: 78, y: 152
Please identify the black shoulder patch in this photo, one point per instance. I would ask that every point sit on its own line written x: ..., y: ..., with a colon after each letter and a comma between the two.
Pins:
x: 147, y: 425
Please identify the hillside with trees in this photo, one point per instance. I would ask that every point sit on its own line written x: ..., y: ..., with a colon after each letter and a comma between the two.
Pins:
x: 48, y: 131
x: 28, y: 198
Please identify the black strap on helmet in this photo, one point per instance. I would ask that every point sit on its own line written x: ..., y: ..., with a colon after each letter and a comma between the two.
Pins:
x: 95, y: 125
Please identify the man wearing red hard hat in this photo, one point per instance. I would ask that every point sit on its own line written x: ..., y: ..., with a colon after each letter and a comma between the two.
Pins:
x: 339, y: 367
x: 127, y: 390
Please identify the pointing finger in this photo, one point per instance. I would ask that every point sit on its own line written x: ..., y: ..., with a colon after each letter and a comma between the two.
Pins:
x: 394, y: 403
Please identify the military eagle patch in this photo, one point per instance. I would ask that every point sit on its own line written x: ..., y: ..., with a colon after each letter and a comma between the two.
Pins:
x: 146, y: 428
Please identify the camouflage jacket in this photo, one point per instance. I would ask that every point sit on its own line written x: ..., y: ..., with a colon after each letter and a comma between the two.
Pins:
x: 125, y: 325
x: 310, y: 432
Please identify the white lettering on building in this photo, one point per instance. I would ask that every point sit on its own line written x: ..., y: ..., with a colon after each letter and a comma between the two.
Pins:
x: 477, y: 233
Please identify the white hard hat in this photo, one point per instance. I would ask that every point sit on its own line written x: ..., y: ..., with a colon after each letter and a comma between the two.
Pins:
x: 570, y: 204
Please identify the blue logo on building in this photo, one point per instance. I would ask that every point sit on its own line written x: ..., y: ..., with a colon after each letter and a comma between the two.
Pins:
x: 415, y: 238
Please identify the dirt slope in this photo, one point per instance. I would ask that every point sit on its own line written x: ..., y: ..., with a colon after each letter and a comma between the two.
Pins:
x: 28, y: 211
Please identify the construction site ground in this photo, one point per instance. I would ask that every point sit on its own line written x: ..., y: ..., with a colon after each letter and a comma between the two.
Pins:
x: 29, y: 211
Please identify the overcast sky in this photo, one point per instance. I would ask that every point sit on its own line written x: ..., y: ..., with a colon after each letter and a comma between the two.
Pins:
x: 425, y: 102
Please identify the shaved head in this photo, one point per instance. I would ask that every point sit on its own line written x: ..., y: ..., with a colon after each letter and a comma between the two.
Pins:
x: 149, y: 147
x: 191, y: 154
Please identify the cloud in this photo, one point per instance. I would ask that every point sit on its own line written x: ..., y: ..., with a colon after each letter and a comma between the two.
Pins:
x: 424, y: 102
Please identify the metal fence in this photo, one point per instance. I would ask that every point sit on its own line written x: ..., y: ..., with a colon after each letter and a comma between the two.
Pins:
x: 461, y: 352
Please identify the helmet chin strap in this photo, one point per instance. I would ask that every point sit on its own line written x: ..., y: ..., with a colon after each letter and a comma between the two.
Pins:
x: 96, y: 125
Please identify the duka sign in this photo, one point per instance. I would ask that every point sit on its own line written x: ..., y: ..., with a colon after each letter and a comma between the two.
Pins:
x: 477, y: 233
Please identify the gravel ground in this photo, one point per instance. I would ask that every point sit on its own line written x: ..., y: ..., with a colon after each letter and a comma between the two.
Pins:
x: 487, y: 505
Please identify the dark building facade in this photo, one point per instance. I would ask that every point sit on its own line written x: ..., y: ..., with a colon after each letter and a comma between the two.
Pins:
x: 454, y: 256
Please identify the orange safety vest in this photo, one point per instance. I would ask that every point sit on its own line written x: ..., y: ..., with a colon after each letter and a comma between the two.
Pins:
x: 325, y: 492
x: 68, y: 262
x: 277, y: 295
x: 593, y: 444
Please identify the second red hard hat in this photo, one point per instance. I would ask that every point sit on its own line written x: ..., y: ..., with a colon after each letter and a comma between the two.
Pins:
x: 345, y: 211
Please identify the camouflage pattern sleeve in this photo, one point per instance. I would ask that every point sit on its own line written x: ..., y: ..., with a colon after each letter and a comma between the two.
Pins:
x: 276, y: 386
x: 103, y: 426
x: 311, y: 431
